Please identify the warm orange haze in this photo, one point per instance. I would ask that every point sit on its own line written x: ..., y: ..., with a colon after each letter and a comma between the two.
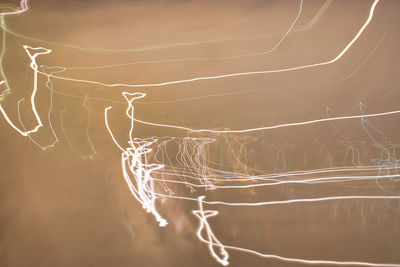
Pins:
x: 199, y: 133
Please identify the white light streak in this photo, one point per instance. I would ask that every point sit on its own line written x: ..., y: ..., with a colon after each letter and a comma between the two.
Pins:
x: 238, y: 74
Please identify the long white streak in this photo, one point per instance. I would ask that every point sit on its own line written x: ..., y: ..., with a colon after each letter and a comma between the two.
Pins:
x: 355, y: 70
x: 303, y: 181
x: 238, y: 74
x: 109, y: 129
x: 35, y: 77
x: 269, y: 127
x: 279, y: 202
x: 314, y: 262
x: 217, y: 95
x: 239, y: 177
x: 304, y: 200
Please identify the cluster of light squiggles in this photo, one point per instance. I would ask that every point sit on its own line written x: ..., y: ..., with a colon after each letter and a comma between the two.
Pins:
x: 144, y: 170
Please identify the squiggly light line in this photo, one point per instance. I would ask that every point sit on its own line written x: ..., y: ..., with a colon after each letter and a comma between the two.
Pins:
x: 137, y: 167
x: 222, y: 256
x: 140, y: 172
x: 214, y: 243
x: 36, y: 52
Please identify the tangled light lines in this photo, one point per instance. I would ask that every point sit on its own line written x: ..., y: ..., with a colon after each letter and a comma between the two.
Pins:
x: 292, y: 161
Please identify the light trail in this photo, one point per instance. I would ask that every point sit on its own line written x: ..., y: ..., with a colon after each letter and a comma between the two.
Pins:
x: 332, y: 179
x: 146, y: 165
x: 33, y: 53
x: 223, y: 256
x: 141, y: 148
x: 349, y: 75
x: 394, y: 112
x: 34, y: 66
x: 273, y: 177
x: 139, y: 172
x: 238, y: 74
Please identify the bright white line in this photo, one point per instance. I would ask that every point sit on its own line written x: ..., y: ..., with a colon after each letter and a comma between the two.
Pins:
x: 269, y: 127
x: 347, y: 47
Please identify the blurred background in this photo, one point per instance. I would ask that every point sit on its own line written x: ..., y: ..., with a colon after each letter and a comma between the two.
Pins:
x: 63, y: 199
